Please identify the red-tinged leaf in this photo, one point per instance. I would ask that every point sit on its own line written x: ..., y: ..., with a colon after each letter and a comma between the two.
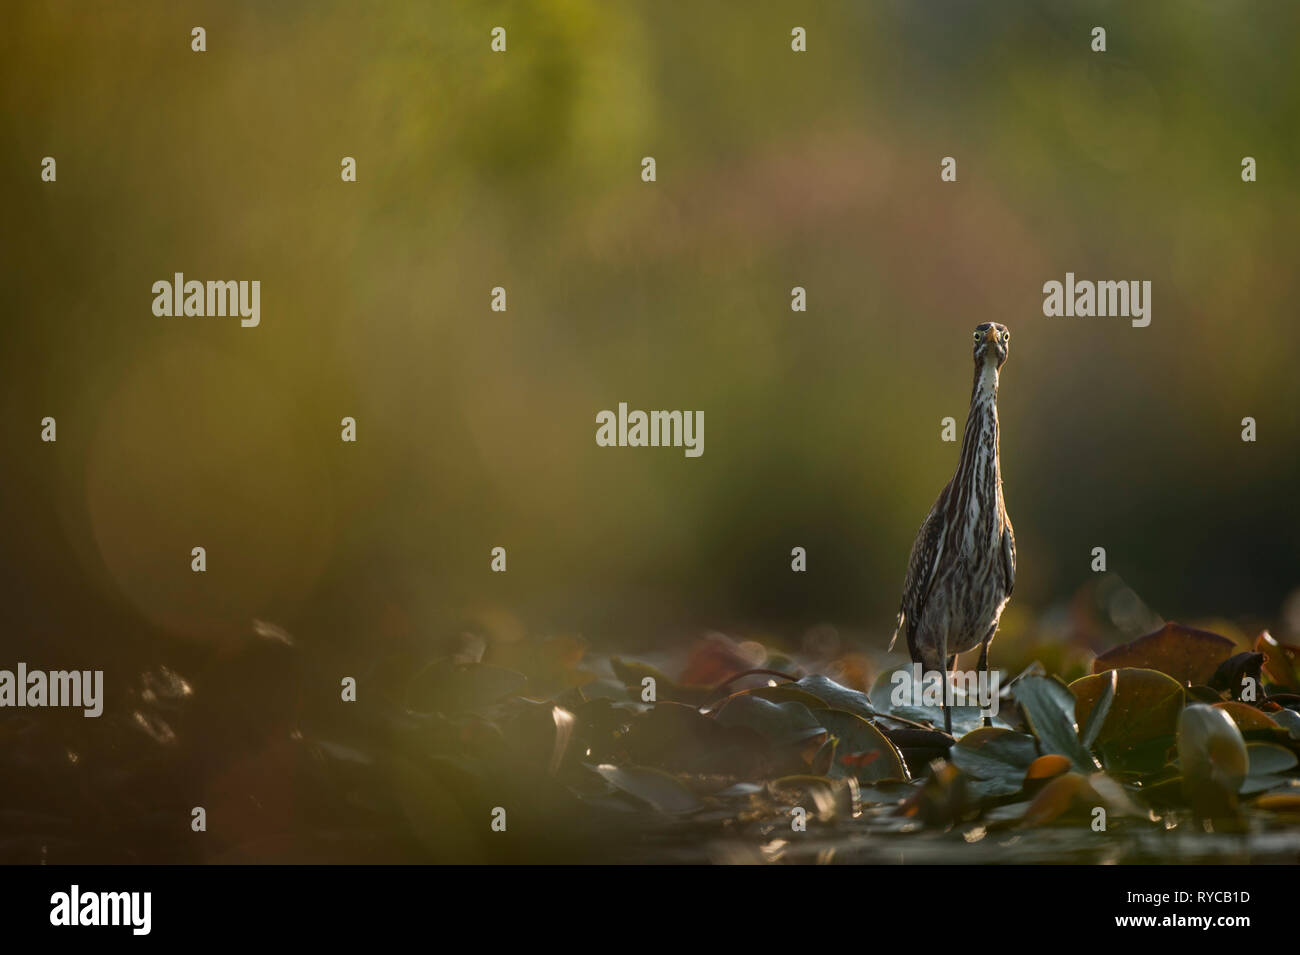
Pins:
x: 1056, y: 799
x: 1184, y: 653
x: 1045, y: 767
x: 1282, y: 661
x: 1248, y: 718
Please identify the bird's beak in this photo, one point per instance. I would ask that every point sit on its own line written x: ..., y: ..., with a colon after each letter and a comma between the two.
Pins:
x: 991, y: 335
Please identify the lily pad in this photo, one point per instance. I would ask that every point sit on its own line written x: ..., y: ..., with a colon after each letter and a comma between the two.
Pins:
x: 1049, y: 707
x: 1213, y: 758
x: 651, y: 786
x: 1268, y: 758
x: 679, y: 737
x: 993, y: 753
x: 787, y: 693
x: 1282, y: 665
x: 1100, y: 710
x: 996, y: 788
x: 834, y: 695
x: 1289, y: 720
x: 1248, y: 718
x: 863, y: 751
x: 965, y: 719
x: 1146, y: 705
x: 781, y: 723
x: 1047, y: 767
x: 1062, y: 796
x: 1186, y: 654
x: 1288, y: 803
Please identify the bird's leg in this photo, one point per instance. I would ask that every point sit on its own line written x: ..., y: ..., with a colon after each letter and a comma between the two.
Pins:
x: 984, y: 666
x: 948, y: 662
x: 951, y: 662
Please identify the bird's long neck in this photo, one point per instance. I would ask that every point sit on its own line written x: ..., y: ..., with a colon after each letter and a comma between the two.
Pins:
x: 979, y: 466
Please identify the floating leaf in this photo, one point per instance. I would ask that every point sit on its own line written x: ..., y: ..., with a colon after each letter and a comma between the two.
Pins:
x: 1075, y: 795
x: 1146, y: 706
x: 1248, y: 718
x: 652, y: 786
x: 1142, y: 759
x: 1213, y: 759
x: 943, y: 797
x: 1184, y: 653
x: 782, y: 723
x: 1045, y: 767
x: 1237, y: 672
x: 787, y: 693
x: 833, y: 695
x: 1059, y: 797
x: 1289, y: 720
x: 1283, y: 660
x: 863, y: 751
x: 1097, y: 714
x: 1268, y: 758
x: 677, y: 736
x: 1280, y: 802
x: 965, y: 719
x: 996, y: 788
x: 994, y: 753
x: 1049, y: 707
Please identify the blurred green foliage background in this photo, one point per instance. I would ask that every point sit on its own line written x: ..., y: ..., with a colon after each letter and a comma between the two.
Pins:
x: 775, y: 169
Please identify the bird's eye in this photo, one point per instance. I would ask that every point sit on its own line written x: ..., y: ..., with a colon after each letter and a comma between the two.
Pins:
x: 978, y: 336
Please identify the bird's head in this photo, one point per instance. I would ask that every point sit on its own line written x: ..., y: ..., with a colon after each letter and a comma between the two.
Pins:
x: 992, y: 343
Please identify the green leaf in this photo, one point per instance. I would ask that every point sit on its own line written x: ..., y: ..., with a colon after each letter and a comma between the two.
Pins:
x: 834, y: 695
x: 863, y: 751
x: 992, y: 753
x: 679, y: 737
x: 1267, y: 758
x: 1100, y: 709
x: 651, y: 786
x: 1048, y: 705
x: 787, y: 693
x: 783, y: 723
x: 1146, y: 705
x: 993, y: 788
x: 1212, y: 756
x: 1143, y: 759
x: 965, y: 719
x: 1289, y: 720
x: 1262, y: 783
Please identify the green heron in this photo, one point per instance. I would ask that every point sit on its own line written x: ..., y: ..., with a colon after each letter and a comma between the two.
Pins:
x: 963, y: 563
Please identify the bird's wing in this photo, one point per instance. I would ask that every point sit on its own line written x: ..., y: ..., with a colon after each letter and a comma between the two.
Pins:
x: 1009, y: 556
x: 921, y: 567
